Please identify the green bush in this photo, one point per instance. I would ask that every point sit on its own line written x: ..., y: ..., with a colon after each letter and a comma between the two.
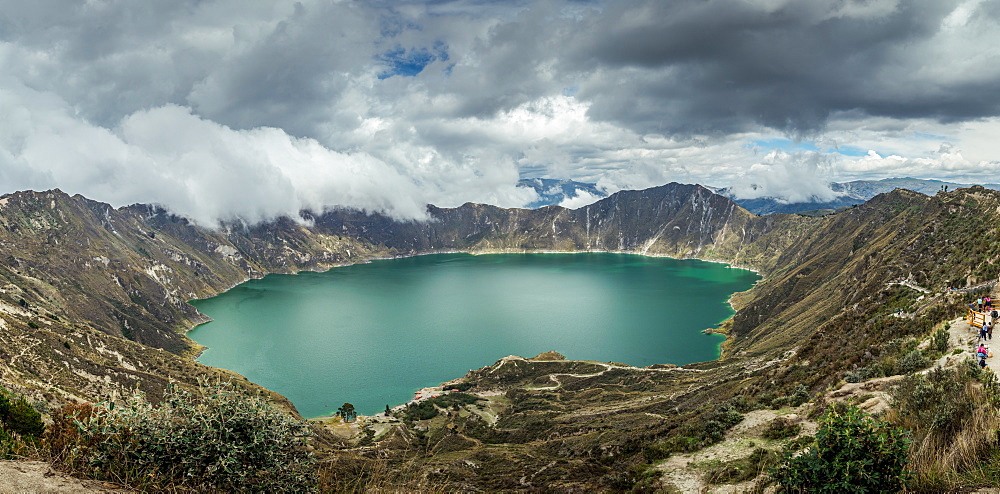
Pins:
x: 858, y: 375
x: 743, y: 469
x: 852, y: 452
x: 940, y: 341
x: 781, y: 428
x: 935, y: 401
x: 709, y: 429
x: 799, y: 396
x: 18, y: 416
x: 421, y: 410
x: 213, y: 439
x: 912, y: 362
x: 20, y: 426
x: 428, y: 409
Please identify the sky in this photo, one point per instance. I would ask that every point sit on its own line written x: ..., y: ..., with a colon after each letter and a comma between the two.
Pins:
x: 248, y: 110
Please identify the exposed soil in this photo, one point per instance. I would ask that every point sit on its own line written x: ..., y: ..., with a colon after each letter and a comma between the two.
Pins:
x: 22, y: 476
x: 686, y: 472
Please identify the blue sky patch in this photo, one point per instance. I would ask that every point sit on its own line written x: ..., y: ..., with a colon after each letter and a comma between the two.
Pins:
x: 787, y: 145
x: 409, y: 63
x: 790, y: 146
x: 851, y: 151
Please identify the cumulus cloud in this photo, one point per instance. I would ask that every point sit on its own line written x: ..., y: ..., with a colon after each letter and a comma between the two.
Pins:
x: 210, y: 172
x: 581, y: 199
x: 788, y: 177
x: 222, y: 109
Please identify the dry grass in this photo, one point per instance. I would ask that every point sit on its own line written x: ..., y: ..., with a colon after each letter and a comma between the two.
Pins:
x: 948, y: 455
x: 350, y: 473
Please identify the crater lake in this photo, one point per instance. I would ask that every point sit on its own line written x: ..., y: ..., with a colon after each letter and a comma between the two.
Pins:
x: 372, y: 334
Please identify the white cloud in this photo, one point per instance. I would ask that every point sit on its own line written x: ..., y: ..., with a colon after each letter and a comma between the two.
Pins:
x: 209, y: 172
x: 789, y: 177
x: 581, y: 199
x: 221, y: 109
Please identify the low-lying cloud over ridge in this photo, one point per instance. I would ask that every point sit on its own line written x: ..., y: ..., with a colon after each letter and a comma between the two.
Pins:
x: 229, y: 109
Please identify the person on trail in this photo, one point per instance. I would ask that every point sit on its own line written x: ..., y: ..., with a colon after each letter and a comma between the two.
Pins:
x: 987, y: 302
x: 982, y: 352
x: 989, y: 332
x: 982, y: 332
x: 979, y: 303
x: 994, y: 314
x: 982, y: 363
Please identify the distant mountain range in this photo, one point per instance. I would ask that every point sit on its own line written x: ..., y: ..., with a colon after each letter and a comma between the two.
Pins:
x: 553, y: 192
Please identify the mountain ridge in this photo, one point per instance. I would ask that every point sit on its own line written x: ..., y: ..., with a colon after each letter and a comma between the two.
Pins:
x: 555, y: 192
x: 92, y: 302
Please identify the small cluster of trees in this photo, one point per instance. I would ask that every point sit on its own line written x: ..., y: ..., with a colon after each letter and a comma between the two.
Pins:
x: 347, y: 412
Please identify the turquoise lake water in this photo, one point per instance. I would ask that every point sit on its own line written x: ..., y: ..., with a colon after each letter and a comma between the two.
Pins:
x: 372, y: 334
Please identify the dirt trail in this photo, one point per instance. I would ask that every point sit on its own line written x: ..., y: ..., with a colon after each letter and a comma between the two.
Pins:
x: 685, y: 471
x: 965, y: 336
x: 22, y: 476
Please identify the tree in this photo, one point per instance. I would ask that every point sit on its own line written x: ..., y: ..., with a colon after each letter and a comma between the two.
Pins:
x: 347, y: 412
x: 852, y: 452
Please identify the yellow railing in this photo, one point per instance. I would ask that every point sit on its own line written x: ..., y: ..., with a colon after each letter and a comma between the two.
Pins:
x: 976, y: 318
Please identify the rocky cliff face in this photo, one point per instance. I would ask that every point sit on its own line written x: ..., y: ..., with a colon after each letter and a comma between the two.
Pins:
x: 93, y: 298
x: 674, y: 220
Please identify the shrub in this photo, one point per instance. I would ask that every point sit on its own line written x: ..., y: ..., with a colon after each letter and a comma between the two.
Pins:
x: 935, y: 401
x: 852, y: 452
x: 940, y: 341
x: 637, y: 478
x: 421, y: 410
x: 20, y: 426
x: 952, y: 414
x: 461, y: 386
x: 913, y: 361
x: 781, y: 428
x: 710, y: 430
x: 63, y: 435
x: 428, y: 409
x: 214, y: 439
x: 18, y: 416
x: 718, y: 421
x: 743, y: 469
x: 655, y: 452
x: 799, y: 396
x: 858, y: 375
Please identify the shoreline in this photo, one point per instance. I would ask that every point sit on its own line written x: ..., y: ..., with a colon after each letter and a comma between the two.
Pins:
x: 323, y: 269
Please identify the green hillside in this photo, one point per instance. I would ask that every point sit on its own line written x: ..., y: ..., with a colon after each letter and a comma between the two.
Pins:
x: 93, y: 306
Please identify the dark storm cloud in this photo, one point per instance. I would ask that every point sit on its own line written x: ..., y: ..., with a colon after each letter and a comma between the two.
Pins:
x: 725, y: 66
x: 293, y: 74
x: 387, y: 105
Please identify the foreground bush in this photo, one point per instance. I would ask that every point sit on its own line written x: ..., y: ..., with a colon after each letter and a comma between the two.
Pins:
x: 20, y: 424
x: 852, y: 452
x: 953, y: 415
x: 213, y: 439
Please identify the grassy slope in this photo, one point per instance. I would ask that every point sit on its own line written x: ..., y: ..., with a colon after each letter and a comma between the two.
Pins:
x: 820, y: 311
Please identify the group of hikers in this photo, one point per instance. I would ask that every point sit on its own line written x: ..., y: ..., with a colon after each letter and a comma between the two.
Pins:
x: 986, y: 331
